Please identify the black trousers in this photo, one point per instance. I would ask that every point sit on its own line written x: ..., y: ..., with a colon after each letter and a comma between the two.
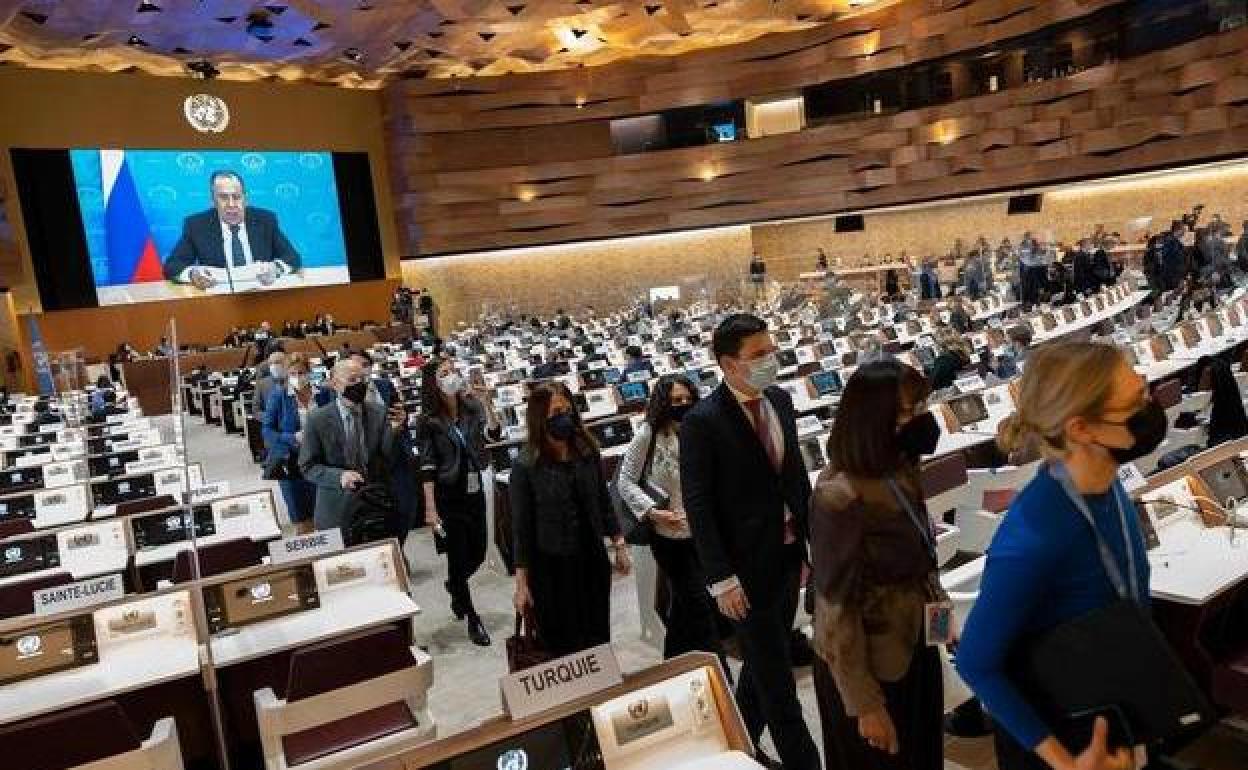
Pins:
x: 915, y: 704
x: 572, y: 597
x: 690, y: 619
x: 766, y: 690
x: 463, y: 518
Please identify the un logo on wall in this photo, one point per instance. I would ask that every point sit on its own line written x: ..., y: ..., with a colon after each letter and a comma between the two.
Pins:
x: 286, y: 191
x: 206, y: 113
x: 311, y: 160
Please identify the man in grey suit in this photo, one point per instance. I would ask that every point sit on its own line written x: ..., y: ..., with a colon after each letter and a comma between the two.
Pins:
x: 345, y: 443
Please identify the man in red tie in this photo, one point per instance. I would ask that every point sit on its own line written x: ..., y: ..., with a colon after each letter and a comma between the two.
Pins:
x: 746, y: 494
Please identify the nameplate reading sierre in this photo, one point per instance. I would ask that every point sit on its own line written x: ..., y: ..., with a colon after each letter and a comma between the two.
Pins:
x: 80, y: 595
x: 559, y: 681
x: 301, y: 547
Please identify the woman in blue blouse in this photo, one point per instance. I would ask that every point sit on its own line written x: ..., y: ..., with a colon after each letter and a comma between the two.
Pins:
x: 1089, y: 412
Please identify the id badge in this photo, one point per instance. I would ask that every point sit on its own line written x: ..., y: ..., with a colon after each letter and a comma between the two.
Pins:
x: 938, y: 623
x: 474, y: 482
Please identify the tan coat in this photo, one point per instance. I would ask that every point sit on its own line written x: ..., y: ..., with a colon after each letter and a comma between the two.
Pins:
x: 872, y: 576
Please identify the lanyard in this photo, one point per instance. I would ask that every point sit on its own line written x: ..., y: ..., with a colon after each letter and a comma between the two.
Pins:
x: 458, y: 437
x: 1112, y: 568
x: 920, y: 522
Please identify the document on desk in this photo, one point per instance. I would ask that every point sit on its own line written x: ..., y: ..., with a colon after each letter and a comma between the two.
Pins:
x: 246, y: 278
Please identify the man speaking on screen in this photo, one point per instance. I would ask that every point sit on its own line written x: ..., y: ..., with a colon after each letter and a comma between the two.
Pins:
x: 231, y: 242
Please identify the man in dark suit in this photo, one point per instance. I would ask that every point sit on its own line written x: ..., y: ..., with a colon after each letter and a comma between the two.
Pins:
x: 746, y: 493
x: 345, y: 443
x: 230, y: 235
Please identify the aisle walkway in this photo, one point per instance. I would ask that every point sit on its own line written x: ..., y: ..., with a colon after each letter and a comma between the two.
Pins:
x: 466, y: 677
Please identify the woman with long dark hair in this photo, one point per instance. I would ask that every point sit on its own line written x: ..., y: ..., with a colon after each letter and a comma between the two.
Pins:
x: 451, y: 437
x: 877, y: 680
x: 561, y: 516
x: 653, y: 457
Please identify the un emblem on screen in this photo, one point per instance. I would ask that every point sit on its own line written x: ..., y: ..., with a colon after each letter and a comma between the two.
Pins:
x: 206, y: 113
x: 513, y: 759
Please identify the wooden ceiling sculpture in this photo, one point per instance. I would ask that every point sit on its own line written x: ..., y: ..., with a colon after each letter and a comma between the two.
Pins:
x: 365, y: 42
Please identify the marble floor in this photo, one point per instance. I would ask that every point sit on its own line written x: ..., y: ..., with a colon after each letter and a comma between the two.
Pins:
x: 466, y: 677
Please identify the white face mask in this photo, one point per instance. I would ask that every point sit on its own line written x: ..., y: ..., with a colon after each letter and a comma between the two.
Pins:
x: 296, y: 381
x: 451, y: 384
x: 762, y: 372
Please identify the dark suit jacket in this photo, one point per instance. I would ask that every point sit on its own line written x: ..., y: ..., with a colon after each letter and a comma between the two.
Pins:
x: 201, y: 243
x: 545, y: 506
x: 734, y: 498
x: 443, y: 460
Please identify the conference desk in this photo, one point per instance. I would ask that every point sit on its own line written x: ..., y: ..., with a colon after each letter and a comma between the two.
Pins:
x: 1195, y: 564
x: 357, y: 589
x: 163, y: 290
x: 142, y: 642
x: 89, y: 550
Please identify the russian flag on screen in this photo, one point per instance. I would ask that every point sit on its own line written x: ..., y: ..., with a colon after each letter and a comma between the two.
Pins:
x: 132, y: 256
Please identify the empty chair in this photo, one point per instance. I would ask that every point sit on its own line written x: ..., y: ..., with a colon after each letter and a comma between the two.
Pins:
x: 145, y: 504
x: 943, y: 481
x: 14, y: 527
x: 988, y: 494
x: 1169, y: 396
x: 347, y: 700
x: 17, y: 599
x: 962, y: 586
x: 97, y: 736
x: 215, y: 559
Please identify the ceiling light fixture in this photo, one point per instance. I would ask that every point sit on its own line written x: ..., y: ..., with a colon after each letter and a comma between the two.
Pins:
x: 260, y: 26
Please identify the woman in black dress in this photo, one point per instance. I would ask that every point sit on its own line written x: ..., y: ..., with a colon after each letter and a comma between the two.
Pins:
x: 451, y: 437
x: 562, y: 518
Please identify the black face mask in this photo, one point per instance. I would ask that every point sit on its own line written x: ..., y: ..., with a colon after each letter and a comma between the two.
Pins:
x: 355, y: 392
x: 1148, y: 428
x: 678, y: 411
x: 561, y: 427
x: 919, y: 436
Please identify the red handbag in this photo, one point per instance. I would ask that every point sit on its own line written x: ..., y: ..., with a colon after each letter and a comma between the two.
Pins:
x: 525, y: 648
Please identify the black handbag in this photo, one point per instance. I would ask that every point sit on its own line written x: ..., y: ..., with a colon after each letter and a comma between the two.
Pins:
x: 525, y: 648
x: 281, y: 468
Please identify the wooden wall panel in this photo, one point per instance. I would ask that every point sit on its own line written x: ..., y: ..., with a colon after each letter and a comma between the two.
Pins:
x: 1171, y: 107
x: 72, y: 109
x: 612, y: 273
x: 207, y: 320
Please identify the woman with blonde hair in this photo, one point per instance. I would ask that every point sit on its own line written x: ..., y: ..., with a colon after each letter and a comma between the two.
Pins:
x: 1070, y: 543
